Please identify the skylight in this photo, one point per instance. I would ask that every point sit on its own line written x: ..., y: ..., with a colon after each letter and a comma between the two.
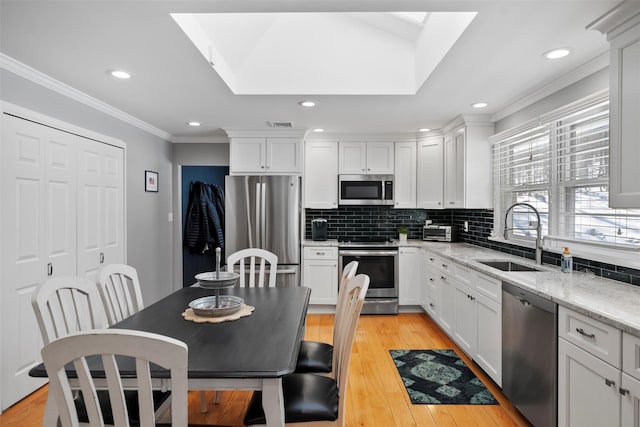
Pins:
x: 365, y: 53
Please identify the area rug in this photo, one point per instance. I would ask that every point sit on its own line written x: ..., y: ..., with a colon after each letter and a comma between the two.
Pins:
x: 439, y: 377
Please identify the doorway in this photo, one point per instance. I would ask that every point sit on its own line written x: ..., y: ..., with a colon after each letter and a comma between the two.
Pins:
x: 194, y: 263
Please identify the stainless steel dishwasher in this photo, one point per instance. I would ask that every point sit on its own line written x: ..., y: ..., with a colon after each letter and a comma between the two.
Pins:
x: 530, y: 354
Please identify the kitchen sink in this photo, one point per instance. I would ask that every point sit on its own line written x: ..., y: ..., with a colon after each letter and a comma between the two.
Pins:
x: 505, y: 265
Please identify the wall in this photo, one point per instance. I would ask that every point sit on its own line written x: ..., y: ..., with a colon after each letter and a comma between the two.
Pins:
x: 149, y: 237
x: 216, y: 154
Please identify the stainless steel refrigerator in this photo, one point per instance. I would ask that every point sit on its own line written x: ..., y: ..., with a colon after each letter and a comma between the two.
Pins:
x: 264, y: 212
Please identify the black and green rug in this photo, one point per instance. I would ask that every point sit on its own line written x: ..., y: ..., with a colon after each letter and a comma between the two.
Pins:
x: 439, y: 377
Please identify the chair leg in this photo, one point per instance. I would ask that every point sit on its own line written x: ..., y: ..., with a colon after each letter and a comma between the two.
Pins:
x: 203, y: 402
x: 216, y: 399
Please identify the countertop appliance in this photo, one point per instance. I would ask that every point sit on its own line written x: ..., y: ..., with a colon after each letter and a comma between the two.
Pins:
x: 440, y: 233
x: 365, y: 189
x: 319, y: 229
x: 530, y: 354
x: 264, y: 212
x: 378, y: 259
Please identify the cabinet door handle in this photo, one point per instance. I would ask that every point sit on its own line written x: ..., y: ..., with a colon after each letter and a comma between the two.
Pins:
x: 101, y: 257
x: 50, y: 269
x: 443, y: 278
x: 452, y: 203
x: 431, y: 279
x: 430, y: 259
x: 609, y: 382
x: 319, y: 253
x: 623, y: 391
x: 431, y: 305
x: 444, y: 266
x: 583, y: 333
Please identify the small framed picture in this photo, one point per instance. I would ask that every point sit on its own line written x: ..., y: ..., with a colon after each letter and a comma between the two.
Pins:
x: 151, y: 181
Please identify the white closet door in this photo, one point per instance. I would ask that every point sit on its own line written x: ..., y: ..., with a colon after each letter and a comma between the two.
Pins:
x: 100, y: 207
x: 38, y: 238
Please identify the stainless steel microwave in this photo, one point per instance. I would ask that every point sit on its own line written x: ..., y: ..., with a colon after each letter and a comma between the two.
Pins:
x: 365, y: 189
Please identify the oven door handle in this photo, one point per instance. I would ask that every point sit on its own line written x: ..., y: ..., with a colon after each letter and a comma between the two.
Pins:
x: 367, y: 253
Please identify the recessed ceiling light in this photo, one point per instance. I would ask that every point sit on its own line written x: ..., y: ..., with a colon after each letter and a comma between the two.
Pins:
x: 318, y: 130
x: 119, y: 74
x: 557, y: 53
x: 307, y: 103
x: 424, y: 130
x: 479, y: 105
x: 194, y: 124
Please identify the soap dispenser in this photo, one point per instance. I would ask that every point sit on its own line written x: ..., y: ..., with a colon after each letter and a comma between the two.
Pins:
x: 566, y: 261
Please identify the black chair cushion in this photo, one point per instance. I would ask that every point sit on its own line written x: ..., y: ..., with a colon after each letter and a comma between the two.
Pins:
x: 315, y: 356
x: 307, y: 397
x: 131, y: 399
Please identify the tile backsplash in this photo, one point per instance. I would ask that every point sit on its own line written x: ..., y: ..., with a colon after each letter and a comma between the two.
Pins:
x: 384, y: 221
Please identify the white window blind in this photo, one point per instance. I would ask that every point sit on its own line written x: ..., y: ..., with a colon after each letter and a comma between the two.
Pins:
x: 560, y: 165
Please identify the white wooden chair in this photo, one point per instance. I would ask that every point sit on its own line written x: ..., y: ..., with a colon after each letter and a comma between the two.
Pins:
x: 251, y: 258
x: 145, y: 347
x: 313, y: 400
x: 317, y: 356
x: 119, y: 288
x: 65, y: 305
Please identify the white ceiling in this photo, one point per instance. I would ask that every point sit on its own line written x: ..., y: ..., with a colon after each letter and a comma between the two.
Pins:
x: 497, y: 59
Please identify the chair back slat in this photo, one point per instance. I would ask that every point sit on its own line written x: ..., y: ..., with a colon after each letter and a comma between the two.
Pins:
x: 64, y: 305
x: 120, y: 291
x: 145, y: 347
x: 356, y: 289
x: 254, y: 262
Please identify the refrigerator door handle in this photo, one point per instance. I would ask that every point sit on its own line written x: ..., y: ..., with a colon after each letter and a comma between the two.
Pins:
x: 258, y: 222
x: 263, y: 213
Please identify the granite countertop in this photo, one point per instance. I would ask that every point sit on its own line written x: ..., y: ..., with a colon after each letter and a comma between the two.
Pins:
x: 612, y: 302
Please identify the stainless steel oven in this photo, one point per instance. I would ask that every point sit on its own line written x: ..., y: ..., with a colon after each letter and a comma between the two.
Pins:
x: 381, y: 265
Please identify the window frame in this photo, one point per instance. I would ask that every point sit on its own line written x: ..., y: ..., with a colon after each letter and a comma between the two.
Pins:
x: 557, y: 187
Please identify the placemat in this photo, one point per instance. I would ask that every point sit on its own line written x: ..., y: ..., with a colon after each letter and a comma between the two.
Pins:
x: 245, y: 310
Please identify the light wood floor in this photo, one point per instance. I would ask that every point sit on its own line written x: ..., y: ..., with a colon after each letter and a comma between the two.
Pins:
x: 376, y: 396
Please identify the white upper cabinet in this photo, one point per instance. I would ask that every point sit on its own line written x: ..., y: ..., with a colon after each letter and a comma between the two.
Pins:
x: 321, y: 175
x: 622, y: 27
x: 468, y: 177
x: 253, y: 152
x: 430, y: 171
x: 359, y: 157
x: 405, y: 176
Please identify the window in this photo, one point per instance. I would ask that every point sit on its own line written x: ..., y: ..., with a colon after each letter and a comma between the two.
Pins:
x: 559, y: 164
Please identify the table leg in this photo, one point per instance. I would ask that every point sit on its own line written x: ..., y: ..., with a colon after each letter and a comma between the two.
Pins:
x: 273, y: 402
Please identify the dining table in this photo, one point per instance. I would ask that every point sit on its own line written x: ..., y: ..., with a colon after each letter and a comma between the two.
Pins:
x: 250, y: 353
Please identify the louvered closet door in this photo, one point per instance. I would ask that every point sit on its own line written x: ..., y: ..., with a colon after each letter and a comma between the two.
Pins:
x: 100, y: 207
x: 38, y: 238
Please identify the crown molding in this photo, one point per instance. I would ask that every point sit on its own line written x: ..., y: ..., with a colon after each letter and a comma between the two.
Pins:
x: 385, y: 137
x: 200, y: 140
x: 619, y: 19
x: 22, y: 70
x: 586, y: 69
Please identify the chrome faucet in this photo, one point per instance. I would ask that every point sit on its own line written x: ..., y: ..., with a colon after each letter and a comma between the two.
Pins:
x: 538, y: 229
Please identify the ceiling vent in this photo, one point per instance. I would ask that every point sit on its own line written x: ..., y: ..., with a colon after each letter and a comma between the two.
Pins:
x: 280, y: 125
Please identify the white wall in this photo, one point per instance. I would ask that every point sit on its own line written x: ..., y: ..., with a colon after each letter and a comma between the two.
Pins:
x: 149, y: 234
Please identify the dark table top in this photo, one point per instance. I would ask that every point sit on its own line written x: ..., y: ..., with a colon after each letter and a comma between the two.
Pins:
x: 262, y: 345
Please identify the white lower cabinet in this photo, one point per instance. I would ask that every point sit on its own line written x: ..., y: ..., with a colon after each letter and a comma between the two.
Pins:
x: 446, y: 298
x: 465, y: 327
x: 596, y: 385
x: 320, y: 273
x: 587, y: 392
x: 409, y: 275
x: 488, y: 354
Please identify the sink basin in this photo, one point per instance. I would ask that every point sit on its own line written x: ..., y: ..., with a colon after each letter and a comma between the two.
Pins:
x: 504, y: 265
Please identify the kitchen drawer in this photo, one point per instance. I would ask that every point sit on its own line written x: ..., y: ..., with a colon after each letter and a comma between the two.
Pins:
x: 593, y: 336
x: 489, y: 287
x: 631, y: 355
x: 465, y: 275
x: 320, y: 252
